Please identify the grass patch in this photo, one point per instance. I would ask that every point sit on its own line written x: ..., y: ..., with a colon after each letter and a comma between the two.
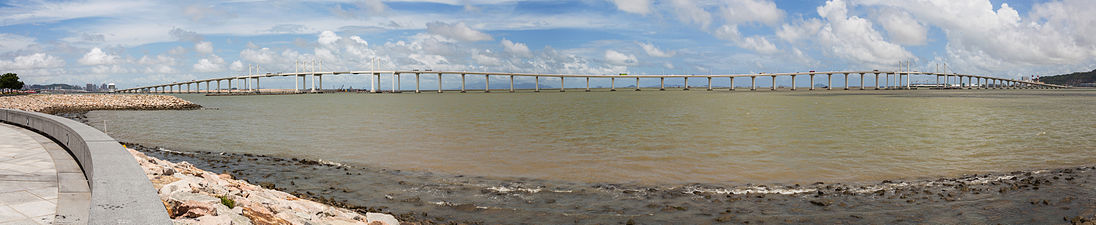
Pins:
x: 225, y: 200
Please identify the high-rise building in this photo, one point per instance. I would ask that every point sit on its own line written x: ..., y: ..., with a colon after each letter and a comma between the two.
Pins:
x: 103, y: 87
x: 90, y: 88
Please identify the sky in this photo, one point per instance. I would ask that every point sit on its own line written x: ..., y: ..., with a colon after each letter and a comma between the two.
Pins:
x: 136, y: 43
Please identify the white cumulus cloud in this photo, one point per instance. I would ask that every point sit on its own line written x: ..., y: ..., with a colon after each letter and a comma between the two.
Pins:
x: 458, y: 31
x: 204, y: 47
x: 902, y: 28
x: 617, y: 58
x: 744, y: 11
x: 32, y: 61
x: 213, y: 63
x: 642, y: 7
x: 518, y: 49
x: 96, y: 56
x: 654, y: 51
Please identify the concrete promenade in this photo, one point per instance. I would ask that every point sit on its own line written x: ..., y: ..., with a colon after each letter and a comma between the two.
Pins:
x: 38, y: 179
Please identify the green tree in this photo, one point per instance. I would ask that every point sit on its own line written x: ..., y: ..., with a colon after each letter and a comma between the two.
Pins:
x: 10, y: 81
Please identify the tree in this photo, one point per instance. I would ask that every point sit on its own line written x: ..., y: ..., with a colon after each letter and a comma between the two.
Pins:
x: 10, y: 81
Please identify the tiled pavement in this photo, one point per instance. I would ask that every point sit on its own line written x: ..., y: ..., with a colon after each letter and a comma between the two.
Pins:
x: 29, y: 176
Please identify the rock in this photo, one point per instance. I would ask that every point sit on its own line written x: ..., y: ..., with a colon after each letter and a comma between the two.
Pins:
x: 822, y: 202
x: 168, y: 172
x: 385, y: 219
x: 214, y: 220
x: 192, y: 209
x: 262, y: 216
x: 197, y: 197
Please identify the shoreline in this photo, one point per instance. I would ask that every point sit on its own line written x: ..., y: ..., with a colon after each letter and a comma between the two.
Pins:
x: 1029, y: 196
x: 1047, y: 195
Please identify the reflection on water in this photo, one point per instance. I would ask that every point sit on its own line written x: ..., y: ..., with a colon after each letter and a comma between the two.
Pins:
x: 646, y: 137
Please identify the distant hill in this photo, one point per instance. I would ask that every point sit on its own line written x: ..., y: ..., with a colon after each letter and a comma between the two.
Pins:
x: 53, y: 87
x: 1073, y: 79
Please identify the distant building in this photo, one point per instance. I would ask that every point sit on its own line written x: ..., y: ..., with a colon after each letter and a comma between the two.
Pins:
x: 103, y: 87
x: 90, y: 88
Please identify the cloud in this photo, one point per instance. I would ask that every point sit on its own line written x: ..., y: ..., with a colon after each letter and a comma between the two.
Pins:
x: 689, y: 12
x: 745, y: 11
x: 518, y: 49
x: 617, y: 58
x: 32, y: 61
x: 902, y: 28
x: 758, y: 44
x: 755, y: 43
x: 185, y: 35
x: 981, y: 38
x: 204, y: 47
x: 262, y: 55
x: 236, y: 66
x: 458, y: 31
x: 802, y: 30
x: 642, y: 7
x: 96, y: 56
x: 855, y: 39
x: 212, y: 64
x: 654, y: 51
x: 12, y: 42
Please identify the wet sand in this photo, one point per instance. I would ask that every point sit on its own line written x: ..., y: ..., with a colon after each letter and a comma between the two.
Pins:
x: 1062, y: 195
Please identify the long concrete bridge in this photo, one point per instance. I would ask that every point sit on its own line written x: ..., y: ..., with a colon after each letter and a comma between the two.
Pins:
x: 250, y: 83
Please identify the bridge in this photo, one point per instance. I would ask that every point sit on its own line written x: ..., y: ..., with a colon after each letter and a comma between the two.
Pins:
x: 250, y: 83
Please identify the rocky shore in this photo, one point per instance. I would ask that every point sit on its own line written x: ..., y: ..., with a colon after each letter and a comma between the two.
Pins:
x: 70, y: 103
x: 1041, y: 196
x: 195, y: 196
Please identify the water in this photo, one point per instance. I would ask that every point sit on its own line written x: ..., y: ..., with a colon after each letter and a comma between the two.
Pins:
x: 647, y: 137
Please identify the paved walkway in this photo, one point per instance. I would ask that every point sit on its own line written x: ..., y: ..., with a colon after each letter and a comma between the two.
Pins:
x: 33, y: 170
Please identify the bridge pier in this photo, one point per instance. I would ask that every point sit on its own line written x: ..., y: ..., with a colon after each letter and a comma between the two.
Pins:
x: 661, y: 83
x: 207, y: 87
x: 969, y: 82
x: 861, y: 81
x: 587, y: 84
x: 732, y: 83
x: 536, y: 83
x: 417, y: 83
x: 462, y: 83
x: 876, y: 81
x: 637, y: 83
x: 686, y: 83
x: 812, y: 83
x: 612, y: 84
x: 773, y: 88
x: 511, y: 83
x: 887, y: 83
x: 793, y: 82
x: 753, y: 83
x: 397, y: 86
x: 486, y: 83
x: 561, y: 84
x: 709, y: 83
x: 257, y: 85
x: 218, y: 86
x: 829, y: 81
x: 439, y: 83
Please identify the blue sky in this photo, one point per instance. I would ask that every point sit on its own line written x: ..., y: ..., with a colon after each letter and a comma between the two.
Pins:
x: 134, y: 43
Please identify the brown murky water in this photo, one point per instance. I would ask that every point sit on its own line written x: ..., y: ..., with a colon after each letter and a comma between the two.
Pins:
x: 644, y: 137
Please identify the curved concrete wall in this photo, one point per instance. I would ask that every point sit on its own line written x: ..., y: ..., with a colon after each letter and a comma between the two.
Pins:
x: 120, y: 191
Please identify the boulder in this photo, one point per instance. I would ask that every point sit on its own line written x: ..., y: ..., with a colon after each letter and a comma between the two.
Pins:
x: 385, y: 219
x: 191, y: 209
x: 259, y: 215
